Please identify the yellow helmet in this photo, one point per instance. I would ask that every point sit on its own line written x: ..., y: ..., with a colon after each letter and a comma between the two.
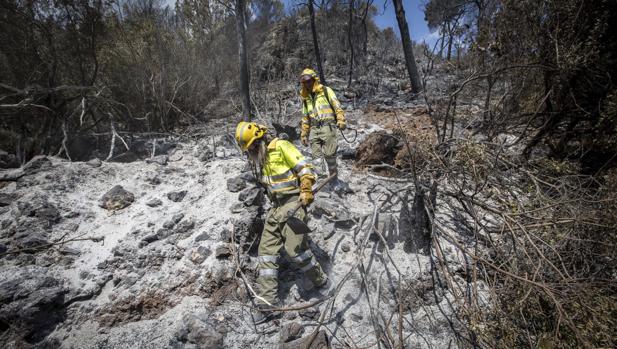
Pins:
x: 248, y: 132
x: 308, y: 72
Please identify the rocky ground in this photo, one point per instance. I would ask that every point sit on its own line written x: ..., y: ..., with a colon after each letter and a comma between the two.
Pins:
x: 145, y: 254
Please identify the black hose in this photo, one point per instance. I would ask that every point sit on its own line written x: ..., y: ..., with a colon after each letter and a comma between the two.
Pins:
x: 354, y: 137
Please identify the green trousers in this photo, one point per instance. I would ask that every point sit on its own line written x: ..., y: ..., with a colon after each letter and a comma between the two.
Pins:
x: 277, y: 234
x: 324, y: 145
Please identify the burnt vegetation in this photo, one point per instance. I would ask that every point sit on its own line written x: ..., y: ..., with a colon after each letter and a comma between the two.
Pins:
x: 520, y: 139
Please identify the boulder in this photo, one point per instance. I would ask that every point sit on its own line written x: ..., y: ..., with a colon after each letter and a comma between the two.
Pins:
x: 154, y: 202
x: 290, y: 331
x: 252, y: 196
x: 198, y: 255
x: 222, y: 252
x: 116, y: 198
x: 184, y: 228
x: 176, y: 196
x: 32, y: 302
x: 96, y: 162
x: 199, y: 332
x: 236, y: 184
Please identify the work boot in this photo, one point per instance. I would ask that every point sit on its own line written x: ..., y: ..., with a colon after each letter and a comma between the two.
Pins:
x: 325, y: 289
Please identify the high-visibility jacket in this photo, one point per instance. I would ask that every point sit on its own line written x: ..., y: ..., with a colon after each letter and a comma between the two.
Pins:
x: 284, y: 168
x: 317, y: 108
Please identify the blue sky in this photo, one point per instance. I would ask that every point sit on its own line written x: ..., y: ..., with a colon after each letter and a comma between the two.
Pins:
x: 414, y: 11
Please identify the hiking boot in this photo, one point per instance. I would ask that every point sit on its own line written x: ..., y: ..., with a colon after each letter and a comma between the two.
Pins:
x: 325, y: 289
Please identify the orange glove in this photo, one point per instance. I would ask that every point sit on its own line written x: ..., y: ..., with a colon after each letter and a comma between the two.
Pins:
x: 306, y: 198
x: 306, y: 190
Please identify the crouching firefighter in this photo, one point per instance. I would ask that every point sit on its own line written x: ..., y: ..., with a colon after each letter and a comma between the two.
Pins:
x: 288, y: 179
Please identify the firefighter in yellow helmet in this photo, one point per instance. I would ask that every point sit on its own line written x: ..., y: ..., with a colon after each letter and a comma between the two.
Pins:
x: 322, y: 115
x: 288, y: 179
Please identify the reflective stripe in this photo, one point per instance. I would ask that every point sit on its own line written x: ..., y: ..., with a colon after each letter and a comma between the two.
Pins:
x: 268, y: 273
x: 299, y: 165
x: 323, y: 107
x: 302, y: 257
x: 284, y: 185
x: 309, y: 266
x: 281, y: 176
x: 266, y: 259
x: 305, y: 171
x: 326, y: 116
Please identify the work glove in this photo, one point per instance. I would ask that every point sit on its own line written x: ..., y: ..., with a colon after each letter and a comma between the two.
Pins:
x: 341, y: 125
x: 306, y: 190
x: 306, y: 198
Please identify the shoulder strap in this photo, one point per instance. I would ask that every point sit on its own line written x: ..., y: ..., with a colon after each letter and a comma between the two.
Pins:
x: 325, y: 92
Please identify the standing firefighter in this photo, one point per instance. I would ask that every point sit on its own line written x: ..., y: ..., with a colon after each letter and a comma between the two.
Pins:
x: 322, y: 115
x: 288, y: 178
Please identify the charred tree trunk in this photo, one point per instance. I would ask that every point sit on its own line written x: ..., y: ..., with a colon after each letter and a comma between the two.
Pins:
x: 243, y: 60
x: 412, y: 69
x: 349, y: 39
x: 315, y: 42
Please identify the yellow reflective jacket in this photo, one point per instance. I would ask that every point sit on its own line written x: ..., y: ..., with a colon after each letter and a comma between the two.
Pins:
x: 284, y: 167
x: 316, y: 109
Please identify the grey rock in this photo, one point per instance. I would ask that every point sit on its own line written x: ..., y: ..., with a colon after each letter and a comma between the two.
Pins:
x: 6, y: 199
x: 32, y: 302
x: 251, y: 196
x: 202, y: 237
x: 116, y: 198
x: 154, y: 202
x: 32, y: 242
x: 169, y: 224
x: 163, y: 233
x: 96, y: 162
x: 199, y: 332
x: 238, y: 207
x: 184, y: 227
x: 222, y: 252
x: 345, y: 247
x: 236, y: 184
x: 198, y: 255
x: 290, y: 332
x: 150, y: 238
x: 3, y: 249
x: 160, y: 159
x: 176, y: 196
x: 248, y: 225
x: 177, y: 217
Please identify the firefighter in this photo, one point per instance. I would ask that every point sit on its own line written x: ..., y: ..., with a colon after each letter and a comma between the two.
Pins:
x: 288, y: 179
x: 322, y: 116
